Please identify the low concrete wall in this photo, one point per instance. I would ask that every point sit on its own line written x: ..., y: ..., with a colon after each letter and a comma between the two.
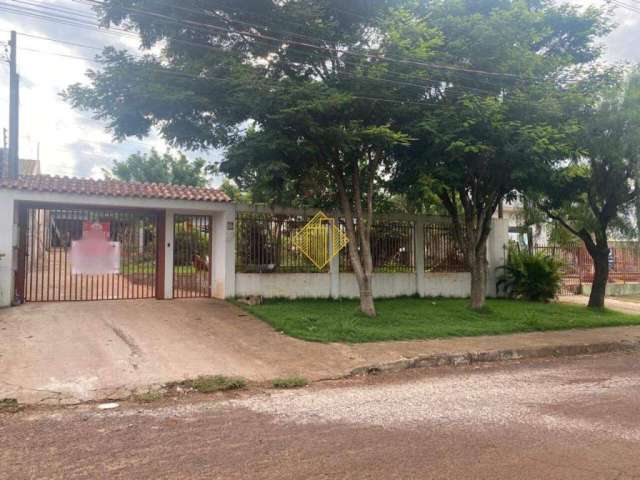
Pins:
x: 285, y: 285
x: 385, y: 285
x: 318, y: 285
x: 615, y: 289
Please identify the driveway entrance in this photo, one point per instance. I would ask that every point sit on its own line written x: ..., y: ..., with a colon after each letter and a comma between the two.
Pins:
x: 72, y: 253
x: 94, y: 350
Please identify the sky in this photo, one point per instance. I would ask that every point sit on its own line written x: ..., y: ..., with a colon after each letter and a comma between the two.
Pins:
x: 70, y: 142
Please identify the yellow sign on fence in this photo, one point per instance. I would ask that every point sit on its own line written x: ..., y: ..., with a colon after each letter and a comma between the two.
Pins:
x: 320, y: 240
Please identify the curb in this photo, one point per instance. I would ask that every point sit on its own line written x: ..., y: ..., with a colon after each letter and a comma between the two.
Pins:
x: 469, y: 358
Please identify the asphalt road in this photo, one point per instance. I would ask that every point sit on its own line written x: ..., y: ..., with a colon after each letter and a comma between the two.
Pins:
x: 564, y: 418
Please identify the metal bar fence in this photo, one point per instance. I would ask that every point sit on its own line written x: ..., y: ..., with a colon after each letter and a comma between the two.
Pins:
x: 441, y: 251
x: 577, y: 265
x: 47, y: 244
x: 192, y: 256
x: 392, y: 248
x: 264, y: 244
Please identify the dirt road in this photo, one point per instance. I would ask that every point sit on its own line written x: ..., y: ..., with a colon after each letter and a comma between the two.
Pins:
x: 564, y: 418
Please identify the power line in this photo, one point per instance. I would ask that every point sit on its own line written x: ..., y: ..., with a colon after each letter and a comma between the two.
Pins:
x: 434, y: 84
x: 631, y: 8
x: 318, y: 47
x: 48, y: 39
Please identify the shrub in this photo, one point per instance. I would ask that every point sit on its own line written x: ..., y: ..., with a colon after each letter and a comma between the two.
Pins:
x: 290, y: 382
x: 217, y: 383
x: 532, y: 276
x: 189, y: 241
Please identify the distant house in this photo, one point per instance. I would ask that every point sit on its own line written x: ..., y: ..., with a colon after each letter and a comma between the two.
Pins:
x: 27, y: 166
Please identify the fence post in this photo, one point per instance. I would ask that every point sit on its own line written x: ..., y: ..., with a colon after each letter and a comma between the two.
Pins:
x: 167, y: 251
x: 334, y: 269
x: 418, y: 235
x: 498, y: 238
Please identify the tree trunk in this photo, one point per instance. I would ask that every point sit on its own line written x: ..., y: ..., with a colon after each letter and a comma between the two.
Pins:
x: 600, y: 278
x: 359, y: 249
x: 366, y: 295
x: 478, y: 281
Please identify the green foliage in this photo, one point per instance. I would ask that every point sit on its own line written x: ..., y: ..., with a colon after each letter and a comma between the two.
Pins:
x: 216, y: 383
x: 187, y: 242
x: 533, y: 276
x: 422, y: 318
x: 290, y: 382
x: 156, y: 168
x: 149, y: 396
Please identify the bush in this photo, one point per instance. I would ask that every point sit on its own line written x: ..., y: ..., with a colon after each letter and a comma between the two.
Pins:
x: 532, y: 276
x: 189, y: 241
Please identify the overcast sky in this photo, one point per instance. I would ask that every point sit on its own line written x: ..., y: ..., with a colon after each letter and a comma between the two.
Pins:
x: 70, y: 142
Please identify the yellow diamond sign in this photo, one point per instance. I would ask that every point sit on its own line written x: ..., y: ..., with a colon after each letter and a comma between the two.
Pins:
x: 320, y: 240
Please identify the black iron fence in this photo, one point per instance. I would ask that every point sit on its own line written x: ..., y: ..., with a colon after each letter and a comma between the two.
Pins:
x: 392, y: 248
x: 441, y: 251
x: 264, y: 244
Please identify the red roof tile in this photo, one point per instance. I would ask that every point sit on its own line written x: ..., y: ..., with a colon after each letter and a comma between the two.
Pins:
x: 112, y: 188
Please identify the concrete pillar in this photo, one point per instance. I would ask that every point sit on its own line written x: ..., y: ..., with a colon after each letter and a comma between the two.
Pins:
x: 224, y: 254
x: 168, y: 254
x: 496, y: 251
x: 8, y: 252
x: 419, y: 256
x: 334, y: 271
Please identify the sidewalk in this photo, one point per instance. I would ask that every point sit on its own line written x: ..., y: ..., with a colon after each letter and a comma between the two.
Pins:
x: 616, y: 304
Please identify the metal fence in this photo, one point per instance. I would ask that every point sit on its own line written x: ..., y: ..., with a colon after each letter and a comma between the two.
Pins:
x: 392, y: 248
x: 264, y: 244
x: 191, y: 256
x: 441, y: 251
x: 47, y: 274
x: 577, y: 265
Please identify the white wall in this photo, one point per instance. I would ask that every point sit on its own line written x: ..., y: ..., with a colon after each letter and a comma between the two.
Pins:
x: 283, y: 285
x: 318, y: 285
x: 8, y: 236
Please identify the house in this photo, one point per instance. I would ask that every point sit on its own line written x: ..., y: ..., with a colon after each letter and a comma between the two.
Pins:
x: 73, y: 239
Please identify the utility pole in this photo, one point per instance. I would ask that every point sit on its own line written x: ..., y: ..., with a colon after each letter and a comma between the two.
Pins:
x: 14, y: 108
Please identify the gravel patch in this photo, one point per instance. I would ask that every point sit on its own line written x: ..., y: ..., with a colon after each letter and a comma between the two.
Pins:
x: 548, y: 398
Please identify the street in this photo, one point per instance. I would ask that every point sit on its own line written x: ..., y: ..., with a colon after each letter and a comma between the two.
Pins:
x: 567, y: 418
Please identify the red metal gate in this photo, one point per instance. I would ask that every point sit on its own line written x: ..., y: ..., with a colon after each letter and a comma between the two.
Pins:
x: 192, y: 256
x: 80, y: 254
x: 577, y: 266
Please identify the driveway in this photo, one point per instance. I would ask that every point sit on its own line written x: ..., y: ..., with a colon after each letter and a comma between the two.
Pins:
x: 73, y: 352
x: 81, y: 351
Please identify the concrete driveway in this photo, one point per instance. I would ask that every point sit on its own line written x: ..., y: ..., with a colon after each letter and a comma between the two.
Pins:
x: 72, y: 352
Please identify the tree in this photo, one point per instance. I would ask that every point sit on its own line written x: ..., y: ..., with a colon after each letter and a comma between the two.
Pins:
x: 297, y: 73
x: 494, y: 125
x: 593, y: 192
x: 156, y: 168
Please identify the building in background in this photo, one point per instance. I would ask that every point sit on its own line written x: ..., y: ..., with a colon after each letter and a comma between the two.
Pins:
x: 27, y: 166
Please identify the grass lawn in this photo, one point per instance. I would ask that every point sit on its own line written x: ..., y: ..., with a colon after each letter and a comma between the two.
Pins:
x: 416, y: 318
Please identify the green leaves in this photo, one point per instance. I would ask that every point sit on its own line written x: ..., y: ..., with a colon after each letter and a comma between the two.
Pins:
x: 156, y: 168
